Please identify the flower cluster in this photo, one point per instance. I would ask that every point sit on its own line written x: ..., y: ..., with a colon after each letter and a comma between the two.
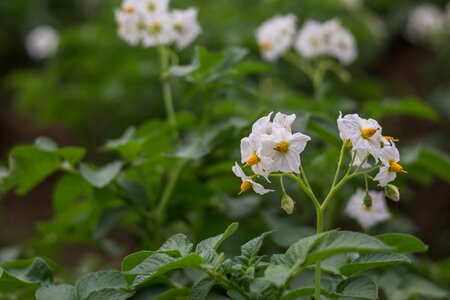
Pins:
x: 276, y: 35
x: 366, y: 139
x: 270, y: 147
x: 426, y: 22
x: 330, y: 38
x: 368, y: 215
x: 151, y: 23
x: 42, y: 42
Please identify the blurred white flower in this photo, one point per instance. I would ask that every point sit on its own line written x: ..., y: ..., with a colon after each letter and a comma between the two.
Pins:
x: 342, y: 45
x: 389, y: 157
x: 42, y: 42
x: 368, y: 216
x: 248, y: 183
x: 284, y: 149
x: 275, y: 36
x: 151, y: 8
x: 310, y: 41
x: 130, y: 26
x: 185, y: 26
x: 158, y: 30
x: 329, y: 38
x: 424, y: 22
x: 262, y: 125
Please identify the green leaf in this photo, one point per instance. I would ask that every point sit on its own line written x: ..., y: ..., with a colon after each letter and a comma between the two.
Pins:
x: 194, y: 149
x: 408, y: 106
x: 435, y: 161
x: 337, y: 242
x: 45, y: 143
x: 277, y: 274
x: 201, y: 289
x: 69, y: 190
x: 101, y: 284
x: 298, y: 252
x: 29, y: 166
x: 109, y: 294
x: 372, y: 260
x: 214, y: 242
x: 104, y: 175
x: 56, y: 292
x: 177, y: 242
x: 171, y: 294
x: 72, y: 154
x: 358, y: 287
x: 252, y: 247
x: 30, y: 270
x: 109, y: 220
x: 403, y: 243
x: 159, y: 264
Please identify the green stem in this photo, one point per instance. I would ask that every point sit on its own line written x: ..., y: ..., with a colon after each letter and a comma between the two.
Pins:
x: 341, y: 156
x: 228, y: 284
x: 169, y: 188
x: 305, y: 188
x: 320, y: 213
x: 167, y: 92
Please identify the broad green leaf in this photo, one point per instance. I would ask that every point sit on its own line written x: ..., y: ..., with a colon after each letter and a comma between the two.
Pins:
x: 102, y: 176
x: 298, y: 252
x: 302, y: 292
x: 173, y: 294
x: 177, y: 242
x: 108, y: 220
x: 30, y: 270
x: 358, y: 287
x: 337, y: 242
x: 109, y: 294
x: 56, y: 292
x: 29, y: 166
x: 159, y: 264
x: 408, y: 106
x: 402, y: 243
x: 72, y: 154
x: 435, y: 161
x: 69, y: 190
x: 194, y: 149
x: 277, y: 274
x: 372, y: 260
x: 251, y: 248
x: 201, y: 289
x: 306, y: 287
x: 45, y: 143
x: 97, y: 282
x: 214, y: 242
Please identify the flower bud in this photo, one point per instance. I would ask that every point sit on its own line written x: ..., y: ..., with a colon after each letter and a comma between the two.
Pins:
x: 392, y: 192
x: 287, y: 204
x: 367, y: 202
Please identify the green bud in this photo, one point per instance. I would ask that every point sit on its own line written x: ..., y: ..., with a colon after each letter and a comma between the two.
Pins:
x: 287, y: 204
x: 367, y: 202
x: 348, y: 144
x: 392, y: 192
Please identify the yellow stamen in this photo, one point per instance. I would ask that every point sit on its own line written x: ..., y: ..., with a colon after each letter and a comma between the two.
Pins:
x: 245, y: 186
x: 367, y: 133
x: 265, y: 45
x: 395, y: 167
x: 252, y: 160
x: 129, y: 9
x: 283, y: 146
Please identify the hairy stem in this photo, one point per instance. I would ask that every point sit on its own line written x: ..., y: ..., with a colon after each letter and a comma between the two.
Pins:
x: 169, y: 187
x: 167, y: 92
x: 319, y: 229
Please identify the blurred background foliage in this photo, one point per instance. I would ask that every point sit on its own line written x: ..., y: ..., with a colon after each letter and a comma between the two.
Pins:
x: 97, y: 88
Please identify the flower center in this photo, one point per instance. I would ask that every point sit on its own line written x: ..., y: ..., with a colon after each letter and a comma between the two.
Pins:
x: 395, y: 167
x: 178, y: 27
x: 129, y: 9
x: 253, y: 159
x: 367, y: 133
x: 151, y: 6
x: 154, y: 28
x: 265, y: 45
x: 282, y: 146
x: 245, y: 186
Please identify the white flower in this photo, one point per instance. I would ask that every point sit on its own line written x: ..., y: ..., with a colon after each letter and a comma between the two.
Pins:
x: 275, y: 36
x: 247, y: 182
x: 424, y: 21
x: 158, y: 30
x: 152, y: 8
x: 365, y: 135
x: 42, y: 42
x: 130, y: 26
x: 310, y: 42
x: 342, y: 45
x: 389, y: 157
x: 262, y: 125
x: 283, y: 121
x: 366, y: 216
x: 284, y: 149
x: 185, y: 26
x: 130, y: 6
x: 251, y: 155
